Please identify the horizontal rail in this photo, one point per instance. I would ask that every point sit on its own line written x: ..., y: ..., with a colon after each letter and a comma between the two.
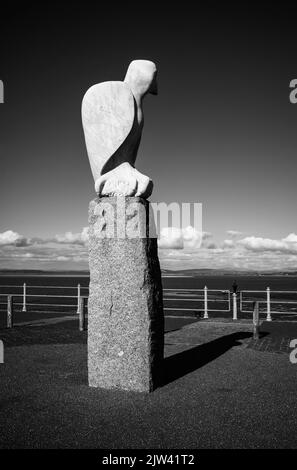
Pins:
x: 198, y: 300
x: 198, y: 290
x: 246, y: 295
x: 204, y: 299
x: 46, y: 287
x: 49, y: 305
x: 272, y: 291
x: 277, y: 312
x: 194, y: 309
x: 165, y: 289
x: 47, y: 295
x: 242, y: 291
x: 283, y: 292
x: 271, y: 301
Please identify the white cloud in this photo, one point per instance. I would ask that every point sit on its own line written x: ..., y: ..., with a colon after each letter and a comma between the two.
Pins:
x: 13, y: 238
x: 192, y: 238
x: 171, y: 238
x: 85, y: 235
x: 178, y: 239
x: 179, y: 249
x: 249, y: 253
x: 259, y: 244
x: 80, y: 238
x: 291, y: 238
x: 228, y: 244
x: 233, y: 233
x: 62, y: 251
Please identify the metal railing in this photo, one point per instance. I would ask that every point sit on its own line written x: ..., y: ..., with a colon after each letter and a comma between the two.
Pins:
x: 81, y: 310
x: 203, y: 301
x: 24, y: 295
x: 253, y: 295
x: 204, y: 296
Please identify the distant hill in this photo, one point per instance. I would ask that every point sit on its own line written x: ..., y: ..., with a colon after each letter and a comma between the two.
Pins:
x: 226, y: 272
x: 165, y: 272
x: 40, y: 272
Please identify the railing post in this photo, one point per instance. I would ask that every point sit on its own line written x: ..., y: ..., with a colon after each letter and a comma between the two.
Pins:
x: 24, y: 297
x: 268, y: 318
x: 78, y: 297
x: 256, y: 320
x: 81, y: 312
x: 9, y: 311
x: 234, y: 306
x: 205, y: 303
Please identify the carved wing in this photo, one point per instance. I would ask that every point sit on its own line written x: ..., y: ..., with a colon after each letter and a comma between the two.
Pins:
x: 107, y: 117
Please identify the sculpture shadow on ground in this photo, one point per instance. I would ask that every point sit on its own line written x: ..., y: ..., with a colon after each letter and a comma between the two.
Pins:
x: 183, y: 363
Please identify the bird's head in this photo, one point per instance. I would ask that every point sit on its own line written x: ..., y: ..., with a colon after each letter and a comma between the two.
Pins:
x: 141, y: 76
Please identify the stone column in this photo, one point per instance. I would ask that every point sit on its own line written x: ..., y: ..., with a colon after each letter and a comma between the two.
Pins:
x: 125, y: 310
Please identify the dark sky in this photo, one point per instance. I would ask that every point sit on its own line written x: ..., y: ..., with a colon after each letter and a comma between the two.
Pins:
x: 221, y: 131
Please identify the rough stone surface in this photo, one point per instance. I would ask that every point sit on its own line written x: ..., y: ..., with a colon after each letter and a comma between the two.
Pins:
x: 126, y: 321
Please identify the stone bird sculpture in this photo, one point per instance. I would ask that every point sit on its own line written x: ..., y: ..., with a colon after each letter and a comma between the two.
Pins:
x: 112, y: 118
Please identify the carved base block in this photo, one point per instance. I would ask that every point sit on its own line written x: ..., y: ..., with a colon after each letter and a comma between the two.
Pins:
x: 125, y: 319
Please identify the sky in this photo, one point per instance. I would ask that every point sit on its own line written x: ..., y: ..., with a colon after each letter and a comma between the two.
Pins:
x: 221, y: 132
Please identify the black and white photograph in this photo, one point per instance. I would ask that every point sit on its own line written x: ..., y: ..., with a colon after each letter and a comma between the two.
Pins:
x: 148, y: 230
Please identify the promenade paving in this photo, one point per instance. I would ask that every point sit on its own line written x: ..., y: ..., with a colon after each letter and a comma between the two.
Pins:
x: 221, y: 389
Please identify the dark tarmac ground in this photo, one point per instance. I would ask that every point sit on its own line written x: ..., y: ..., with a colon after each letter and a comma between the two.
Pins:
x: 221, y: 389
